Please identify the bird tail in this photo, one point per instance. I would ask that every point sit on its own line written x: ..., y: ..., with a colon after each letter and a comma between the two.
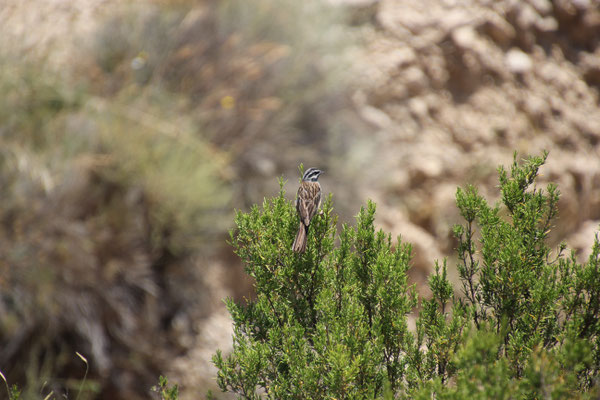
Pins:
x: 299, y: 245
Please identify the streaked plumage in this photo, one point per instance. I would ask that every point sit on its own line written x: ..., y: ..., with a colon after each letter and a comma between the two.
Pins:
x: 307, y: 205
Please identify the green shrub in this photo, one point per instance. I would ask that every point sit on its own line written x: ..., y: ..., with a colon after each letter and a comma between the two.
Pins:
x: 333, y: 322
x: 321, y: 321
x: 165, y: 391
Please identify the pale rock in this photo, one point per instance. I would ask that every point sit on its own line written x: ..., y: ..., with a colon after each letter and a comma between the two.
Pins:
x: 536, y: 109
x: 582, y: 4
x: 456, y: 18
x: 465, y: 37
x: 402, y: 57
x: 590, y: 64
x: 410, y: 18
x: 583, y: 239
x: 376, y: 117
x: 436, y: 70
x: 517, y: 61
x: 527, y: 17
x: 565, y: 8
x: 427, y: 167
x: 416, y: 80
x: 353, y: 3
x: 418, y: 107
x: 548, y: 24
x: 425, y: 247
x: 543, y: 7
x: 499, y: 29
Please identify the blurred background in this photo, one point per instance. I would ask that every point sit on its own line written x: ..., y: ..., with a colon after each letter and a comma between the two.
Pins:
x: 130, y: 131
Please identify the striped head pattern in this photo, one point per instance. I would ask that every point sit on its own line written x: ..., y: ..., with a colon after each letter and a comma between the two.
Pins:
x: 312, y: 175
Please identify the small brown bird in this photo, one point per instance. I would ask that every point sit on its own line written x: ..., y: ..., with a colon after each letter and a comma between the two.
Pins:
x: 307, y: 205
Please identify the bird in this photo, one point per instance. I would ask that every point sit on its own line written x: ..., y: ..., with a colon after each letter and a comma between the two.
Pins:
x: 308, y: 201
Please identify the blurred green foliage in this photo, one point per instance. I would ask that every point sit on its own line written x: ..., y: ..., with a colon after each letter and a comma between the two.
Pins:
x: 165, y: 391
x: 252, y: 75
x: 96, y: 193
x: 120, y: 168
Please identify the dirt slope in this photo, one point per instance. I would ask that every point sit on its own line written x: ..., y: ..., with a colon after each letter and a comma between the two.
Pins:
x: 453, y: 88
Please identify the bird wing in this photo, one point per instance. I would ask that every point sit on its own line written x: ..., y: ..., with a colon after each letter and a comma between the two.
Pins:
x: 307, y: 203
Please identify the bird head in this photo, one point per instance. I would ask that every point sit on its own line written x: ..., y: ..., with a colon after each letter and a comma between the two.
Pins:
x: 312, y: 175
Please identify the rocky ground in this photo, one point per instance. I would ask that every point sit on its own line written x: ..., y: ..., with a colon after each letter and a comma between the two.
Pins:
x: 443, y: 92
x: 453, y: 88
